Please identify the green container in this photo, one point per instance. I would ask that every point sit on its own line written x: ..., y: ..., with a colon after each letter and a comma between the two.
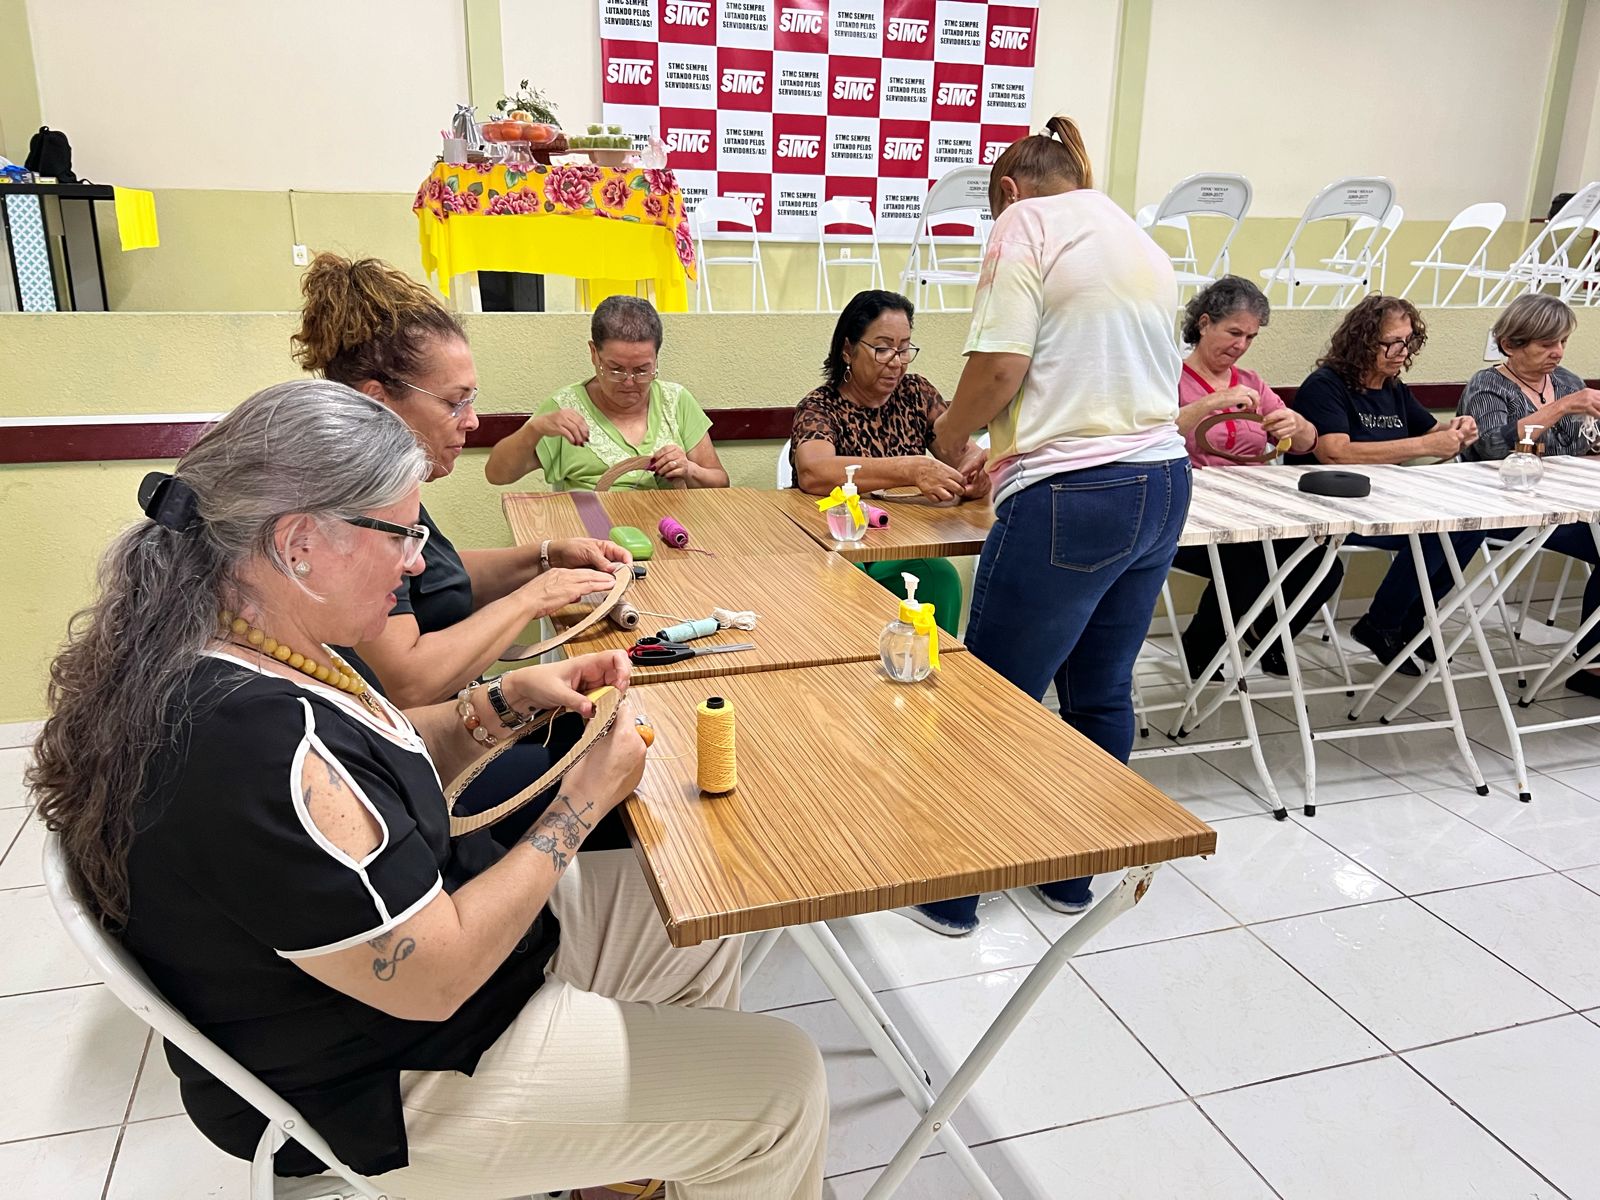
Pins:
x: 635, y: 541
x: 596, y: 129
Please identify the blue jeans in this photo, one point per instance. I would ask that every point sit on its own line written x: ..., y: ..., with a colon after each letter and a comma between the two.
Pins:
x: 1396, y: 606
x: 1063, y: 593
x: 1066, y: 584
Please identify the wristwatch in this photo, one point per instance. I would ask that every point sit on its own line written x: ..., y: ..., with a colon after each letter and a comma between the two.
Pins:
x: 544, y: 555
x: 509, y: 716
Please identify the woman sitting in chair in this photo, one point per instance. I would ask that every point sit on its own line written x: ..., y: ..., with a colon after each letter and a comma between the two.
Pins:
x: 270, y: 840
x: 1220, y: 323
x: 1532, y: 388
x: 1364, y: 414
x: 622, y: 411
x: 377, y: 330
x: 872, y: 413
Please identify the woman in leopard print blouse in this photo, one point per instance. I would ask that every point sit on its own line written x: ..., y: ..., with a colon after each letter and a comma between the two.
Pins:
x: 872, y: 412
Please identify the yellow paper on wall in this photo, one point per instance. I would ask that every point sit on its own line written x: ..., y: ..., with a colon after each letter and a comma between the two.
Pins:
x: 136, y: 218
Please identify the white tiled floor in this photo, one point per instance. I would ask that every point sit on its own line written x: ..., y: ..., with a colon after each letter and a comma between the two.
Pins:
x: 1398, y: 997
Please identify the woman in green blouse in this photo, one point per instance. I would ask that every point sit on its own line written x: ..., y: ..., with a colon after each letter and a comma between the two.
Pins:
x: 623, y: 411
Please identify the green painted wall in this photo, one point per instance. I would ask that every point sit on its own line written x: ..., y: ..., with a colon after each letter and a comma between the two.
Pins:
x: 229, y: 251
x: 59, y: 517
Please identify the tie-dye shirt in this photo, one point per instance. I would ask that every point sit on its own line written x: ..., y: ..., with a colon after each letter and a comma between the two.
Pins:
x: 1072, y: 282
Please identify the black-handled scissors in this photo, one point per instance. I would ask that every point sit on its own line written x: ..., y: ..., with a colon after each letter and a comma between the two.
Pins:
x: 653, y: 652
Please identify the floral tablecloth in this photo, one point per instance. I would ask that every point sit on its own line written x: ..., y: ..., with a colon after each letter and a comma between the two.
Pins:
x: 611, y: 227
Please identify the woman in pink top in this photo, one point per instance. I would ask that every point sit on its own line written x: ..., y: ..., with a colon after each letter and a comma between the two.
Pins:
x: 1220, y: 323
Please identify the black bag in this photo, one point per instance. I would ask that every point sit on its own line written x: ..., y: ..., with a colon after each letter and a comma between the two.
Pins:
x: 49, y: 153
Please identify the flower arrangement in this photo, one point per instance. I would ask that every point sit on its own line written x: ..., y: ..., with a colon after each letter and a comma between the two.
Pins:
x: 528, y: 103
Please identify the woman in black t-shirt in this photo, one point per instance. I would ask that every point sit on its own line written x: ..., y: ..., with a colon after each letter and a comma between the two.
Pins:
x: 379, y: 331
x: 1365, y: 414
x: 271, y: 841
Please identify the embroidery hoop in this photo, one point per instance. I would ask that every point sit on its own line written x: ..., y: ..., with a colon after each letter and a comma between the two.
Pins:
x: 914, y: 498
x: 1250, y: 460
x: 606, y: 701
x: 639, y: 462
x: 522, y: 651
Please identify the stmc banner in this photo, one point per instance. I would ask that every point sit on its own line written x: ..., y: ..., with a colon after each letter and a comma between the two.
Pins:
x: 788, y: 103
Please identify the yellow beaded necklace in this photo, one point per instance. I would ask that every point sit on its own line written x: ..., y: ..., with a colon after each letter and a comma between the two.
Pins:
x: 341, y: 675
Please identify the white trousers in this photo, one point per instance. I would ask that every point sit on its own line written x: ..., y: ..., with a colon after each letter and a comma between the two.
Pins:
x: 626, y: 1064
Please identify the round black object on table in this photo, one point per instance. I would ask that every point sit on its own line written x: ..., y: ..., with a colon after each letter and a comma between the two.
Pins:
x: 1349, y: 484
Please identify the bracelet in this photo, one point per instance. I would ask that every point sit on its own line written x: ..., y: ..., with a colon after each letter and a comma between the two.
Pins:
x: 469, y: 718
x: 509, y: 716
x: 544, y: 555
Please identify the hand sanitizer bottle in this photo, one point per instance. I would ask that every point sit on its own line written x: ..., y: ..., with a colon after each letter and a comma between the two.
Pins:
x: 1521, y: 470
x: 910, y: 645
x: 847, y: 519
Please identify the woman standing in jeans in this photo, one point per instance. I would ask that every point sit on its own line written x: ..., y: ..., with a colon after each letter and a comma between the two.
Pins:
x: 1071, y: 364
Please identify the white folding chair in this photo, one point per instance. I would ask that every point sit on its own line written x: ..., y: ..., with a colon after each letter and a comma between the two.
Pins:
x: 1486, y: 218
x: 1210, y: 194
x: 960, y: 198
x: 785, y: 469
x: 1547, y: 257
x: 1346, y: 199
x: 1373, y: 260
x: 129, y: 984
x: 708, y: 216
x: 1586, y: 275
x: 854, y: 214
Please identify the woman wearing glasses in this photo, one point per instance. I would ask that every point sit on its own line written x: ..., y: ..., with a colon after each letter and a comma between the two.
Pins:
x: 373, y: 328
x: 1364, y: 414
x: 622, y: 411
x: 269, y: 840
x: 873, y: 413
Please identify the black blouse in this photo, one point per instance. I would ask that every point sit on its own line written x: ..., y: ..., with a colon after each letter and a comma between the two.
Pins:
x: 230, y: 881
x: 442, y: 595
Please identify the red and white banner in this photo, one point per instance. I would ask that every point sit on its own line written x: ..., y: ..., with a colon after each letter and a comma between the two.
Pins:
x: 791, y: 102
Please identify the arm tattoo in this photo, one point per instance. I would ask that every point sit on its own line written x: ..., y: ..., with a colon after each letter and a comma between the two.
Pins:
x: 385, y: 965
x: 560, y: 830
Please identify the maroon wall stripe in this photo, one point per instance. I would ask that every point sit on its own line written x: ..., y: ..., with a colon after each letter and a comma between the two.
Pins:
x: 69, y: 442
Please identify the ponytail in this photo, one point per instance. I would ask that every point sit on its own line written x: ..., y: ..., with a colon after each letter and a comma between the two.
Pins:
x: 367, y: 320
x: 1056, y: 154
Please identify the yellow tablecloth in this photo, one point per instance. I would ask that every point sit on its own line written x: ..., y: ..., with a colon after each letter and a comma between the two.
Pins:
x: 608, y: 226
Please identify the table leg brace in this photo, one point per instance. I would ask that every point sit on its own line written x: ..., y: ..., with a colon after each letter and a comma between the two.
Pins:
x: 937, y: 1117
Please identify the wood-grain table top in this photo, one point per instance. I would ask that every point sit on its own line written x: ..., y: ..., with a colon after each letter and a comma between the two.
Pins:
x: 812, y: 609
x: 914, y: 530
x: 856, y: 795
x: 737, y: 521
x: 1247, y: 504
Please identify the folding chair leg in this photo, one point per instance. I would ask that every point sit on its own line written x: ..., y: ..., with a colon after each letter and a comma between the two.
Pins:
x: 1561, y: 591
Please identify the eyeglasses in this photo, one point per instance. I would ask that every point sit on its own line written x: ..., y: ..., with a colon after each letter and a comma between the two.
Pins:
x: 457, y: 407
x: 642, y: 375
x: 887, y: 354
x: 1394, y: 345
x: 416, y: 536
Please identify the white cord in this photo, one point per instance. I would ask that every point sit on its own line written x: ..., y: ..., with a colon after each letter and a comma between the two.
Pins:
x: 734, y: 620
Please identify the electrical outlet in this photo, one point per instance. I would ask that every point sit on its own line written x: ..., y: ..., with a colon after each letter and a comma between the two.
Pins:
x: 302, y: 256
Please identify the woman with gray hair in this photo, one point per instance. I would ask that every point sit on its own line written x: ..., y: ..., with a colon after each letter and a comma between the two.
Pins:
x: 1532, y: 389
x: 1220, y: 323
x: 269, y: 839
x: 622, y: 411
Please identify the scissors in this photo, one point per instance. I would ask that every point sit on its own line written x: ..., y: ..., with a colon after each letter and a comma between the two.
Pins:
x: 653, y: 652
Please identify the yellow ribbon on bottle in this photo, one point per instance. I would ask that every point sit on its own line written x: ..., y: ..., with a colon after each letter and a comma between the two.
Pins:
x: 922, y: 622
x: 838, y: 497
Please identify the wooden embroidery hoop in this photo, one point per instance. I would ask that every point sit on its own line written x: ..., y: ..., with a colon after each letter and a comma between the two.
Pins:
x: 606, y: 701
x: 522, y: 651
x: 639, y: 462
x: 1205, y: 427
x: 912, y: 497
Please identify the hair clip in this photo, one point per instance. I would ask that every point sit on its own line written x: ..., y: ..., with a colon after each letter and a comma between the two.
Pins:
x: 169, y: 501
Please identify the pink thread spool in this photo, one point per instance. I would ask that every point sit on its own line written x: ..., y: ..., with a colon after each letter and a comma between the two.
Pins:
x: 673, y: 533
x: 877, y: 517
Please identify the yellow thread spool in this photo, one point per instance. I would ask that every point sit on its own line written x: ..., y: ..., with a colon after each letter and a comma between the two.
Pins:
x: 715, y: 734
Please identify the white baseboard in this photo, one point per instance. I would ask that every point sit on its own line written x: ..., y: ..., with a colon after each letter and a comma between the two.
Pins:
x: 19, y: 733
